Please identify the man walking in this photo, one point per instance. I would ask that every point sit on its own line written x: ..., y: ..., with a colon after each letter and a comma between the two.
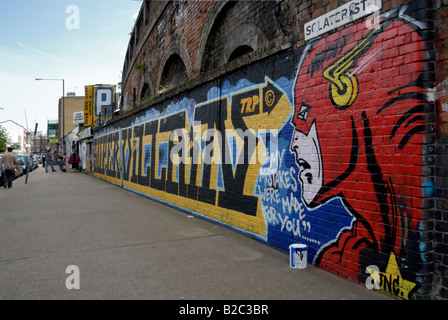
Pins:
x: 9, y: 161
x: 49, y: 160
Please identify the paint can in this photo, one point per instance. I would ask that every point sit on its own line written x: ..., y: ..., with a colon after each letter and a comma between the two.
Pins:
x: 298, y: 255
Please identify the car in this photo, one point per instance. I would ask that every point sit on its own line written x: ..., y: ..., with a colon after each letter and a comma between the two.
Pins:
x: 2, y: 174
x: 33, y: 161
x: 38, y: 158
x: 18, y: 172
x: 21, y: 168
x: 25, y: 162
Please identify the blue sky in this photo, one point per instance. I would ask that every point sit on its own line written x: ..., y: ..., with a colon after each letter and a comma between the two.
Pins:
x: 42, y: 39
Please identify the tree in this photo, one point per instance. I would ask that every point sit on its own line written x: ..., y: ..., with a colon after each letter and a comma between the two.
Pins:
x: 3, y: 139
x: 16, y: 146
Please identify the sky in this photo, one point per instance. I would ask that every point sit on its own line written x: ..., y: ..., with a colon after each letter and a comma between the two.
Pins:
x: 83, y: 42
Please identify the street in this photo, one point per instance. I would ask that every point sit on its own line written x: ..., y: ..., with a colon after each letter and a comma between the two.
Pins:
x: 70, y: 236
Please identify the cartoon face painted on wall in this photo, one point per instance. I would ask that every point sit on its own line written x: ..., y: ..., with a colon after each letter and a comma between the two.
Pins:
x: 358, y: 116
x: 309, y: 158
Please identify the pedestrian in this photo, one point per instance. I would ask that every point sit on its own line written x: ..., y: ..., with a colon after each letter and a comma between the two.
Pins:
x: 61, y: 162
x: 49, y: 160
x: 10, y: 163
x: 74, y: 160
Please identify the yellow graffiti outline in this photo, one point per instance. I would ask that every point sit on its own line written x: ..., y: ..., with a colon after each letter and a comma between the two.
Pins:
x: 344, y: 86
x: 255, y: 122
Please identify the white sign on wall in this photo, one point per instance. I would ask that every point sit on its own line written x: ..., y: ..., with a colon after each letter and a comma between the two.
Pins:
x: 340, y: 16
x: 78, y: 117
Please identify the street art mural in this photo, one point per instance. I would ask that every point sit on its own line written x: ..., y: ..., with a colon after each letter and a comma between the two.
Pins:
x: 208, y: 154
x: 328, y: 152
x: 360, y: 119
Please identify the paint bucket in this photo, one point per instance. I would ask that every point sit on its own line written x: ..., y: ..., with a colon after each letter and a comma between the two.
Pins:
x: 298, y: 255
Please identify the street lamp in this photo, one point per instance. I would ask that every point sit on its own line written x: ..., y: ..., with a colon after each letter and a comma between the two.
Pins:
x: 62, y: 102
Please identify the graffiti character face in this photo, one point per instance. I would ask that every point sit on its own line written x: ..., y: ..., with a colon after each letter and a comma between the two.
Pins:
x: 359, y: 113
x: 309, y: 160
x: 325, y: 138
x: 337, y: 125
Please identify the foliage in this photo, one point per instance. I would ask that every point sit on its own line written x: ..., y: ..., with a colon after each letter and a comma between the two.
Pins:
x: 140, y: 66
x: 16, y: 146
x: 3, y: 139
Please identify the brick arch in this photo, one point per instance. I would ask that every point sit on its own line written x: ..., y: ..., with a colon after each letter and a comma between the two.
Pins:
x: 239, y: 52
x: 216, y: 9
x: 211, y: 55
x: 173, y: 74
x: 246, y: 35
x: 146, y: 89
x: 174, y: 49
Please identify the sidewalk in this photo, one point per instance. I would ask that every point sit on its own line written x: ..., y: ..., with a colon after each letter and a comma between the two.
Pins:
x: 129, y: 247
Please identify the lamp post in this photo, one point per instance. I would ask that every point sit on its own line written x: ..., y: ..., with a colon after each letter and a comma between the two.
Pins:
x: 62, y: 102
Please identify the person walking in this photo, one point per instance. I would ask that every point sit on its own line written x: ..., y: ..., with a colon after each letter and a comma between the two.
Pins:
x: 10, y: 163
x: 49, y: 160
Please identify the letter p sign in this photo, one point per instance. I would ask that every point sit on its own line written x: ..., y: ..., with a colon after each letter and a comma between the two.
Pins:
x: 104, y: 101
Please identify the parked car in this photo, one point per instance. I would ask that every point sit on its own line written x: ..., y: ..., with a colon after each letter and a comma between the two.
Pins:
x: 38, y: 158
x: 22, y: 167
x: 2, y: 174
x: 18, y: 172
x: 25, y: 162
x: 34, y: 163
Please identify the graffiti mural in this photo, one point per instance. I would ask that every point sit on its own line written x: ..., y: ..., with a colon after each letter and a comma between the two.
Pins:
x: 324, y: 146
x: 361, y: 112
x: 206, y: 156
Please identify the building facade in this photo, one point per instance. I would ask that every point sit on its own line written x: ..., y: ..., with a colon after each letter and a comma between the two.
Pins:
x: 18, y: 135
x: 40, y: 143
x: 72, y: 104
x: 314, y: 122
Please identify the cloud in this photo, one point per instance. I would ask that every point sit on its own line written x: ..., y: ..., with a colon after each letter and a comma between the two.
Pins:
x: 47, y: 54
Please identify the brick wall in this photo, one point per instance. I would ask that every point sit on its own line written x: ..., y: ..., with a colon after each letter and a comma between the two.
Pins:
x: 71, y: 104
x: 441, y: 152
x: 338, y: 143
x: 204, y: 34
